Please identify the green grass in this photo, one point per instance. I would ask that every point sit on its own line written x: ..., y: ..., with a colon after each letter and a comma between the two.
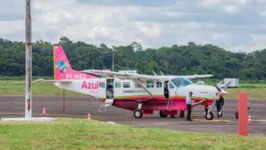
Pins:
x: 67, y: 133
x: 257, y: 91
x: 17, y: 88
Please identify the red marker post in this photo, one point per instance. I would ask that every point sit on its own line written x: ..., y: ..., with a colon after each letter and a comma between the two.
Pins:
x: 242, y: 114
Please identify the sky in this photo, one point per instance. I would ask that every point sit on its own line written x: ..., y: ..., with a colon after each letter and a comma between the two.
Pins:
x: 235, y: 25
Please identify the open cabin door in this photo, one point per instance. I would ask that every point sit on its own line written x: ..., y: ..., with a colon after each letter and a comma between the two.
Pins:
x: 172, y: 90
x: 110, y: 88
x: 109, y: 95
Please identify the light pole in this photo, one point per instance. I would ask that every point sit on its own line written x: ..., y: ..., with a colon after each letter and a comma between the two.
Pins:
x: 113, y: 59
x: 28, y: 68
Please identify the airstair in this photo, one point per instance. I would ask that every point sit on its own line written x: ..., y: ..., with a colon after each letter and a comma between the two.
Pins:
x: 105, y: 105
x: 169, y: 104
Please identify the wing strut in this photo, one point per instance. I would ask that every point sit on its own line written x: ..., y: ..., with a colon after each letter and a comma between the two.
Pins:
x: 144, y: 88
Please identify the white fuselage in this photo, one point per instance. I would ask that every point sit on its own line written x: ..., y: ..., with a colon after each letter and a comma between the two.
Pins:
x: 116, y: 88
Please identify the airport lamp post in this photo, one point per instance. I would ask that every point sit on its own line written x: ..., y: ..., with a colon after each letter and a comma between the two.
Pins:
x: 28, y: 69
x: 113, y: 60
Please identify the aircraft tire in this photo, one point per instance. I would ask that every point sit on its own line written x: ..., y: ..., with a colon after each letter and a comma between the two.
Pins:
x: 209, y: 116
x: 163, y: 114
x: 138, y: 113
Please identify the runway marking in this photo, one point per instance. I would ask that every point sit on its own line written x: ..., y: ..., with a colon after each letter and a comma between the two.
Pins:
x: 204, y: 120
x: 260, y: 120
x: 44, y: 115
x: 51, y: 102
x: 261, y: 105
x: 224, y: 110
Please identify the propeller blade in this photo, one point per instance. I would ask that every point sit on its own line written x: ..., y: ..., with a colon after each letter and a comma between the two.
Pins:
x: 217, y: 87
x: 226, y: 86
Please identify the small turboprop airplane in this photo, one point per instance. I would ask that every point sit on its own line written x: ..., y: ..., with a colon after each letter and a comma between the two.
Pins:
x: 139, y: 93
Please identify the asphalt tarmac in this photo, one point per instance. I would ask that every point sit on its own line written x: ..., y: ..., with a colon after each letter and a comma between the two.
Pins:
x: 79, y: 107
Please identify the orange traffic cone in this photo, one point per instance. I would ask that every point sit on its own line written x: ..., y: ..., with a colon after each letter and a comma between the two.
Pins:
x: 249, y: 119
x: 89, y: 116
x: 43, y: 111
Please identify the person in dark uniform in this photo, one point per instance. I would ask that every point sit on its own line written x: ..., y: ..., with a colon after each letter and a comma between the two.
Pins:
x: 188, y: 102
x: 219, y: 104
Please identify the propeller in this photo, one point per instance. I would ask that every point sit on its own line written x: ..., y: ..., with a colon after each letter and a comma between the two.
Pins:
x: 221, y: 89
x: 226, y: 86
x: 217, y: 87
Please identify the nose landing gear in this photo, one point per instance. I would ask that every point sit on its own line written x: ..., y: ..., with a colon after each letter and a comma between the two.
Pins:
x: 208, y: 114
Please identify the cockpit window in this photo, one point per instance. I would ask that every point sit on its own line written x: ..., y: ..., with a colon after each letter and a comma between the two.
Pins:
x: 181, y: 82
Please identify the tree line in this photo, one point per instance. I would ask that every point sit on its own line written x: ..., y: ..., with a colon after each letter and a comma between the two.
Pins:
x: 174, y: 60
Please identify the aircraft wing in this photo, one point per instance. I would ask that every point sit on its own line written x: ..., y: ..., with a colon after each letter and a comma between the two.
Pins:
x: 196, y: 76
x: 141, y: 76
x: 135, y: 77
x: 122, y: 75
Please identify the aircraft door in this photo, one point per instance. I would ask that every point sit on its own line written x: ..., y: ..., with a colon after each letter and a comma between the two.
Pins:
x: 110, y: 89
x: 172, y: 90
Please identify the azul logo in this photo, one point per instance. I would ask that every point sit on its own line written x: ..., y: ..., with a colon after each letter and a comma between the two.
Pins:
x: 62, y: 66
x: 89, y: 85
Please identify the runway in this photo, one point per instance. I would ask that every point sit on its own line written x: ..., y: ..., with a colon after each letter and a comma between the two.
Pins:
x: 79, y: 107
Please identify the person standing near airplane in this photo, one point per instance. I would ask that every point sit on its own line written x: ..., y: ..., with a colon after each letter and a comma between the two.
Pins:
x: 188, y: 102
x: 219, y: 104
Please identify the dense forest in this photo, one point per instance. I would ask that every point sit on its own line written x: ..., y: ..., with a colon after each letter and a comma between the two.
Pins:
x: 175, y: 60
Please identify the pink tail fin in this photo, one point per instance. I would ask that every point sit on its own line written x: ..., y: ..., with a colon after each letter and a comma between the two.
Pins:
x: 63, y: 69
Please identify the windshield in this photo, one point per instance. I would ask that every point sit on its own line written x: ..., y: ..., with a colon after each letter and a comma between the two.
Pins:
x: 181, y: 82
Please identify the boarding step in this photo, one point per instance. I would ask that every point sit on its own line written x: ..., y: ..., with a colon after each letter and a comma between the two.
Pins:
x: 105, y: 105
x: 169, y: 104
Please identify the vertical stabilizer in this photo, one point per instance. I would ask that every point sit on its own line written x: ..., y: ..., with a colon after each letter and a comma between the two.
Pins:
x: 62, y: 67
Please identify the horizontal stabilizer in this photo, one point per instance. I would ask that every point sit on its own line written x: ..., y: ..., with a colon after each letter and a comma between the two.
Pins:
x: 61, y: 81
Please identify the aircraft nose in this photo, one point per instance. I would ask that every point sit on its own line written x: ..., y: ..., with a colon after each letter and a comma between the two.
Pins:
x: 222, y: 91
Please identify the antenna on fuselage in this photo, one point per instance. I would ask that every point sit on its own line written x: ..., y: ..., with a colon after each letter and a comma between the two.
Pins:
x: 154, y: 73
x: 161, y: 73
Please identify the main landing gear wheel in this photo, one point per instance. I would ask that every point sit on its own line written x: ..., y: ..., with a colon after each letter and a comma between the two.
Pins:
x: 163, y: 113
x: 209, y: 116
x: 138, y: 113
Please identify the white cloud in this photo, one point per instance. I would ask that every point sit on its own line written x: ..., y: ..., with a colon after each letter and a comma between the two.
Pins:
x: 257, y: 43
x: 226, y: 23
x: 219, y: 36
x: 212, y: 3
x: 263, y: 13
x: 11, y: 27
x: 231, y: 8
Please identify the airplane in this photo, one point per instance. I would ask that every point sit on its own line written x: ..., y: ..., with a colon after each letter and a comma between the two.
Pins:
x: 139, y: 93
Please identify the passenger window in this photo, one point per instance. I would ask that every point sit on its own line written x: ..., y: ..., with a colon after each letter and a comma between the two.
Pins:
x: 159, y: 84
x: 126, y: 84
x: 171, y: 86
x: 137, y: 85
x: 102, y: 85
x: 117, y: 84
x: 149, y: 84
